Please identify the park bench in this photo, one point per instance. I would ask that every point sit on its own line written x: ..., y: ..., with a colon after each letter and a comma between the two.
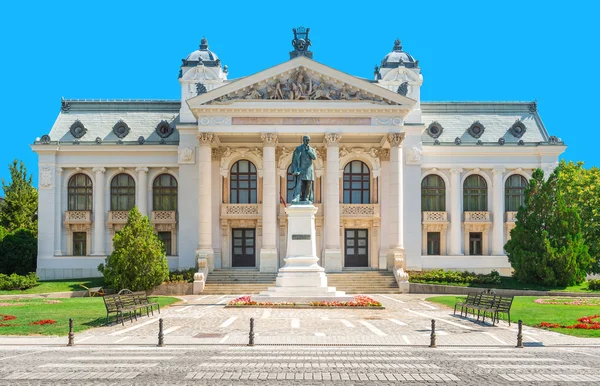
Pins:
x: 485, y: 303
x: 141, y: 299
x: 127, y: 302
x: 114, y: 305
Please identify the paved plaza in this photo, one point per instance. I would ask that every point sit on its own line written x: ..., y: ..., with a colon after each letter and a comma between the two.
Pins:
x: 206, y: 343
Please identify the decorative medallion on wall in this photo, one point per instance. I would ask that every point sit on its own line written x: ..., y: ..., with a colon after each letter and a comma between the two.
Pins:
x: 121, y: 129
x: 164, y: 129
x: 77, y: 129
x: 98, y: 140
x: 518, y: 129
x: 435, y: 129
x: 476, y: 129
x: 403, y: 89
x: 200, y: 89
x: 45, y: 139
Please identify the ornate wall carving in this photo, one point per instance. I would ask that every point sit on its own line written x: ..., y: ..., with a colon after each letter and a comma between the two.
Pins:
x: 369, y: 156
x: 230, y: 155
x: 414, y: 156
x: 395, y: 139
x: 186, y: 155
x: 46, y: 177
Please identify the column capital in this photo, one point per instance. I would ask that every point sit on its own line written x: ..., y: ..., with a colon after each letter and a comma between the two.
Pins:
x: 59, y: 171
x: 269, y: 139
x: 456, y: 170
x: 395, y: 139
x: 141, y: 169
x: 498, y: 170
x: 333, y: 139
x: 206, y: 139
x: 99, y: 170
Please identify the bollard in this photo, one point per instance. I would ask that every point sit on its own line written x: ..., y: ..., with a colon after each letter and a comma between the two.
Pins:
x: 432, y: 343
x: 71, y: 334
x: 161, y: 335
x: 520, y: 335
x: 251, y: 334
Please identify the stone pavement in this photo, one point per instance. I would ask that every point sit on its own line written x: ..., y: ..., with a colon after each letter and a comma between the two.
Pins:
x: 406, y: 321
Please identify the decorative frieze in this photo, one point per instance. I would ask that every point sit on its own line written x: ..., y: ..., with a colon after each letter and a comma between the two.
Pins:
x: 300, y: 121
x: 214, y: 121
x: 387, y: 121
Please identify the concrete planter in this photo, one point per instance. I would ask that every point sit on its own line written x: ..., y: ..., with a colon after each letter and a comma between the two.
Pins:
x: 169, y: 289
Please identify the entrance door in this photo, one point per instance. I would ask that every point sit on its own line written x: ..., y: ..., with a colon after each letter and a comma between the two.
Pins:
x: 475, y: 243
x: 243, y: 247
x: 357, y: 248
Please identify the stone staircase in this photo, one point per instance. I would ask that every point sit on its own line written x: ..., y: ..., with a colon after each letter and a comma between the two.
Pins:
x: 363, y: 281
x: 238, y: 282
x: 250, y: 281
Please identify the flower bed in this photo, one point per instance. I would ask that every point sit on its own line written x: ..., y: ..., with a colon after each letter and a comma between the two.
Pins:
x: 7, y: 317
x: 585, y: 323
x: 569, y: 301
x: 360, y: 301
x: 43, y: 322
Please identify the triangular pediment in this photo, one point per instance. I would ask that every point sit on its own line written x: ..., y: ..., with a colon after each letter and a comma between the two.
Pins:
x: 300, y: 80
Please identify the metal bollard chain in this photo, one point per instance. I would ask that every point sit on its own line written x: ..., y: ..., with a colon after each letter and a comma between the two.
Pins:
x: 161, y: 335
x: 432, y: 343
x: 251, y: 334
x: 71, y: 333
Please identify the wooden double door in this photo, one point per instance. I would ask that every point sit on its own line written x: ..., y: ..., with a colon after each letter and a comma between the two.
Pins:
x: 243, y: 247
x: 356, y: 242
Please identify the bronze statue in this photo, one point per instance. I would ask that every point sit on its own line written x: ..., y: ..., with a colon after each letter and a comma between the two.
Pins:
x: 302, y: 160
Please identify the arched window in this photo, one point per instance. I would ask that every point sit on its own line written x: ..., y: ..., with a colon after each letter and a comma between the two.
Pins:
x: 164, y: 192
x: 514, y: 192
x: 291, y: 184
x: 433, y: 194
x: 475, y: 194
x: 242, y: 184
x: 122, y: 192
x: 80, y: 192
x: 357, y: 183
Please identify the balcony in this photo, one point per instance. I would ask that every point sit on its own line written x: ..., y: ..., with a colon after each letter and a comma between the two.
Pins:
x: 164, y: 217
x: 118, y: 216
x: 241, y: 210
x: 478, y: 216
x: 435, y: 216
x: 511, y: 216
x: 78, y: 217
x: 359, y: 210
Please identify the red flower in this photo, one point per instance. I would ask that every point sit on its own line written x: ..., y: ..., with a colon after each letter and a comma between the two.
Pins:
x: 8, y: 317
x: 43, y: 322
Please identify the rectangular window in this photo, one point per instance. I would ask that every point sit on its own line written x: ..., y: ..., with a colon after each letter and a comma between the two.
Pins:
x: 475, y: 244
x: 79, y: 243
x: 165, y: 237
x: 433, y: 243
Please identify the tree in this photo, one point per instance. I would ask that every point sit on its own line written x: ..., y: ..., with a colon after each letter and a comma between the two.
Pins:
x: 21, y: 200
x: 547, y: 245
x: 18, y: 251
x: 138, y: 261
x: 581, y: 187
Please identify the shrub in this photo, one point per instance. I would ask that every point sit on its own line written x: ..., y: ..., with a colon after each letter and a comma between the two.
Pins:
x: 594, y: 284
x: 18, y: 282
x: 138, y: 261
x: 181, y: 276
x: 441, y: 276
x: 18, y: 252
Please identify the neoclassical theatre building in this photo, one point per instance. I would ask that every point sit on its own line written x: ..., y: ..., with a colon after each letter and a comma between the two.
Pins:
x: 399, y: 183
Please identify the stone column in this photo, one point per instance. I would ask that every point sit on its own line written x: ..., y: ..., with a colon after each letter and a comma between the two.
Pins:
x: 99, y: 213
x: 498, y: 212
x: 58, y: 213
x: 142, y: 189
x: 268, y: 250
x: 205, y: 252
x: 333, y: 258
x: 455, y: 213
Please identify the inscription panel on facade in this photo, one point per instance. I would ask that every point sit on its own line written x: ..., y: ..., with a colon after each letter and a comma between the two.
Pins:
x: 300, y: 237
x: 299, y: 121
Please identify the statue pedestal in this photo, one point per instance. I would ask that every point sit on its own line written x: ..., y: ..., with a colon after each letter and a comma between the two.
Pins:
x: 301, y: 280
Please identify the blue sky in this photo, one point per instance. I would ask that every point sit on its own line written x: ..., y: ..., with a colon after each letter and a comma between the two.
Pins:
x: 470, y: 50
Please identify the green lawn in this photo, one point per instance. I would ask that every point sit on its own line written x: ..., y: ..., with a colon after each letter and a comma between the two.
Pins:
x: 511, y: 283
x: 531, y: 313
x: 86, y: 313
x: 59, y: 286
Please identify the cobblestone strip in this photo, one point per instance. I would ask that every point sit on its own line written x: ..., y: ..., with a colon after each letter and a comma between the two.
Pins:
x: 72, y: 375
x: 550, y: 377
x: 326, y: 376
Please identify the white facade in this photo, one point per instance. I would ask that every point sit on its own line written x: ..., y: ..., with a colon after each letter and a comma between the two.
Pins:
x: 376, y: 143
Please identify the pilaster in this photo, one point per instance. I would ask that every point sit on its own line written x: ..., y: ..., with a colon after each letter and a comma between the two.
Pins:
x: 99, y: 213
x: 205, y: 252
x: 455, y: 212
x: 268, y: 251
x: 498, y: 212
x: 333, y: 257
x: 142, y: 191
x: 58, y: 212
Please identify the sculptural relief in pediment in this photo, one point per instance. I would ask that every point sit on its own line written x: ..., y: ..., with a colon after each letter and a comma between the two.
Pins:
x: 299, y: 85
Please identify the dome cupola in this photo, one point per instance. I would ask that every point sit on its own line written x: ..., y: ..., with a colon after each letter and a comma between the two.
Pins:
x: 202, y: 56
x: 398, y: 58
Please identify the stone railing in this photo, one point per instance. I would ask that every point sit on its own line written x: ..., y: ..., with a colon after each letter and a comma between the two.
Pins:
x: 241, y: 210
x: 359, y: 210
x: 118, y: 216
x: 511, y: 216
x: 478, y: 216
x: 164, y: 216
x: 435, y: 216
x: 78, y: 217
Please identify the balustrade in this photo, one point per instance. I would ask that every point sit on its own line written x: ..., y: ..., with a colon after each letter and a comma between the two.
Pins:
x: 437, y: 216
x: 477, y: 216
x: 78, y: 217
x: 511, y: 216
x: 359, y: 210
x: 241, y: 210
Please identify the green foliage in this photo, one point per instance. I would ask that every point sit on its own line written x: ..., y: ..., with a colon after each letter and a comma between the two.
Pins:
x: 138, y: 261
x: 18, y: 252
x: 581, y: 188
x: 181, y: 276
x: 594, y: 285
x: 441, y: 276
x: 547, y: 245
x: 18, y: 282
x: 21, y: 200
